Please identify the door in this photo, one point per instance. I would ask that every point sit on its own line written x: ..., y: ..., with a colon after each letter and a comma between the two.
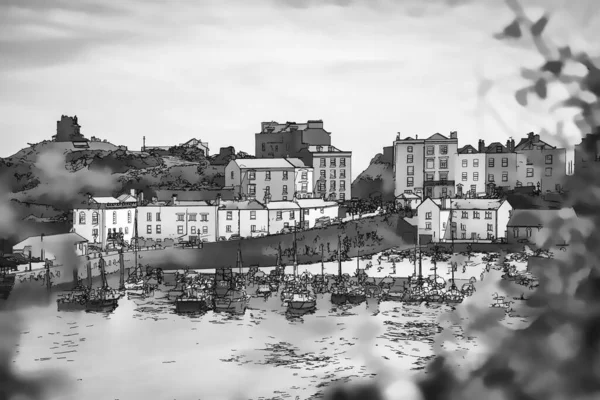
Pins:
x: 429, y: 191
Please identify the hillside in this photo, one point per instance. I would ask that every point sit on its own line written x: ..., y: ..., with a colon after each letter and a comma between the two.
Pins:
x: 377, y: 180
x: 41, y: 183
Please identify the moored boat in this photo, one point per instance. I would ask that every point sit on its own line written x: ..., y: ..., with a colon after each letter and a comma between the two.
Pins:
x: 453, y: 296
x: 302, y: 300
x: 230, y: 304
x: 357, y: 295
x: 185, y: 304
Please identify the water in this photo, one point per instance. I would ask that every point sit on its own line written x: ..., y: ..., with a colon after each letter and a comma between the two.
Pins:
x: 143, y: 350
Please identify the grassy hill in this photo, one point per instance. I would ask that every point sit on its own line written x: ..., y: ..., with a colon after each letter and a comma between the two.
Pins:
x: 376, y: 180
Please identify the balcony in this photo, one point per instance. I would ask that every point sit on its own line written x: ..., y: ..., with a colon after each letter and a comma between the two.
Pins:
x: 443, y: 182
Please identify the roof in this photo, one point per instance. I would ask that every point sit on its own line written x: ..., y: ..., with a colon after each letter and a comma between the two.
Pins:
x: 190, y: 203
x: 468, y: 149
x: 62, y: 238
x: 266, y: 163
x: 437, y: 136
x: 315, y: 203
x: 491, y: 149
x: 535, y: 218
x: 282, y: 205
x: 470, y: 204
x: 124, y: 198
x: 105, y: 200
x: 325, y: 149
x: 241, y: 205
x: 532, y: 142
x: 186, y: 195
x: 296, y: 162
x: 285, y: 127
x: 408, y: 196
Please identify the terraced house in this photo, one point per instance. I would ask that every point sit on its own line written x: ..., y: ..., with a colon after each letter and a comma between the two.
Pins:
x: 469, y: 175
x: 501, y: 163
x: 425, y: 167
x: 331, y: 171
x: 542, y: 165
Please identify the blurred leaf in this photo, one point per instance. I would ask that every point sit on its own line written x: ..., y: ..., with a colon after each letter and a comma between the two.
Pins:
x: 513, y: 30
x: 538, y: 27
x: 565, y: 52
x: 484, y: 87
x: 521, y: 96
x: 575, y: 102
x: 530, y: 74
x: 541, y: 88
x: 553, y: 66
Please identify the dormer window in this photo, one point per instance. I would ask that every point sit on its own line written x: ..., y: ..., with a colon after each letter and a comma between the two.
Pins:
x: 330, y: 149
x: 319, y: 148
x: 498, y: 149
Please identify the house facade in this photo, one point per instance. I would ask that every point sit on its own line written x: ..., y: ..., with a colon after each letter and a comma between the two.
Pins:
x: 248, y: 218
x: 469, y: 175
x: 283, y: 214
x: 544, y: 165
x: 540, y: 226
x: 101, y: 220
x: 332, y: 171
x: 425, y: 167
x: 312, y: 210
x: 501, y: 163
x: 286, y: 140
x: 49, y: 247
x: 587, y: 153
x: 268, y: 179
x: 198, y: 144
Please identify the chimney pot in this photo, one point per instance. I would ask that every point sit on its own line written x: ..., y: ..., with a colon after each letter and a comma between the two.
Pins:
x: 132, y: 192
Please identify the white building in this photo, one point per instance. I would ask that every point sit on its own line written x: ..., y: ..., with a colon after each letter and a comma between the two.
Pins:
x: 303, y: 179
x: 315, y: 209
x: 101, y: 218
x: 470, y: 176
x: 473, y: 220
x: 332, y: 175
x: 248, y: 218
x: 48, y: 247
x: 282, y: 214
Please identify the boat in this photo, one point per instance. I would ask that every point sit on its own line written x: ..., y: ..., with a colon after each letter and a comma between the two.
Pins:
x: 7, y: 279
x: 302, y: 300
x: 263, y: 288
x: 339, y: 291
x: 102, y: 304
x: 192, y: 304
x: 434, y: 296
x: 357, y: 295
x: 72, y: 302
x: 453, y: 296
x: 222, y: 288
x: 232, y: 303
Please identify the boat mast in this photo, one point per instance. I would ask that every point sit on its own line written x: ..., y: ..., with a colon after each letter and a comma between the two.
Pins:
x: 48, y: 281
x: 121, y: 269
x: 103, y: 272
x: 295, y: 254
x: 239, y: 259
x: 322, y: 263
x: 135, y: 245
x: 339, y: 257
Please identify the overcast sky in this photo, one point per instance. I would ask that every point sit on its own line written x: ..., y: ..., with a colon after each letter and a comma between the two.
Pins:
x: 214, y: 69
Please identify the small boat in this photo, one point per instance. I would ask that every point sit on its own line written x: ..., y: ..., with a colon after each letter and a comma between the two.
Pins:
x: 222, y: 287
x: 263, y: 289
x: 453, y: 296
x: 102, y: 304
x: 357, y: 296
x: 72, y: 302
x: 7, y: 282
x: 194, y: 304
x: 231, y: 304
x: 434, y: 296
x: 302, y: 300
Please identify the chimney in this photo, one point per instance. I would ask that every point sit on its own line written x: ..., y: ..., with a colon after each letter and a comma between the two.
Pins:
x: 141, y: 197
x: 42, y: 237
x: 132, y: 192
x: 481, y: 147
x: 508, y: 145
x: 174, y: 199
x: 218, y: 200
x: 453, y: 135
x: 398, y: 136
x: 155, y: 199
x: 530, y: 136
x: 536, y: 138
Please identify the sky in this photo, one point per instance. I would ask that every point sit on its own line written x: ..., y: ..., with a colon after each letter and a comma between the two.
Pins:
x: 216, y: 69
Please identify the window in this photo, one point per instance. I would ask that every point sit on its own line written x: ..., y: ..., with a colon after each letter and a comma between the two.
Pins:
x: 126, y: 230
x: 342, y: 185
x: 490, y: 227
x: 519, y: 184
x: 149, y: 217
x: 504, y: 162
x: 429, y: 177
x: 475, y: 176
x: 549, y: 159
x: 410, y: 181
x: 292, y: 216
x: 342, y: 174
x: 228, y: 228
x: 279, y: 216
x: 304, y: 175
x: 332, y: 174
x: 232, y: 173
x: 149, y: 229
x: 157, y: 217
x: 409, y: 149
x: 498, y: 149
x: 322, y: 163
x: 229, y: 215
x: 430, y: 150
x: 342, y: 196
x: 548, y: 171
x: 267, y: 190
x: 332, y: 162
x: 252, y: 214
x: 488, y: 215
x: 443, y: 149
x: 285, y: 175
x: 263, y: 149
x: 114, y: 217
x: 158, y: 229
x: 81, y: 218
x: 430, y: 163
x: 252, y: 190
x: 251, y: 175
x: 204, y: 217
x: 475, y: 163
x: 128, y: 217
x: 252, y: 228
x: 530, y: 172
x: 322, y: 210
x: 191, y: 217
x: 322, y: 187
x: 323, y: 172
x: 286, y: 224
x: 473, y: 236
x: 180, y: 217
x: 473, y: 188
x: 475, y: 214
x: 465, y: 163
x: 516, y: 232
x: 94, y: 232
x: 490, y: 177
x: 284, y: 198
x: 463, y: 235
x: 444, y: 191
x: 464, y: 176
x: 285, y: 190
x: 528, y: 231
x: 205, y: 230
x: 491, y: 163
x: 267, y: 175
x: 342, y: 161
x: 465, y: 214
x: 443, y: 176
x: 410, y: 170
x: 180, y: 229
x: 505, y: 177
x: 409, y: 159
x: 193, y: 230
x: 306, y: 211
x: 463, y: 227
x: 428, y: 225
x: 332, y: 185
x: 428, y: 215
x: 444, y: 163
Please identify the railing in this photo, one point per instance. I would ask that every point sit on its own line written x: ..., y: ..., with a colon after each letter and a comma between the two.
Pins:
x: 443, y: 182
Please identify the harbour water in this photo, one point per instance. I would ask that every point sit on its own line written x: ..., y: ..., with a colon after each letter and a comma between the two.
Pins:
x: 144, y: 350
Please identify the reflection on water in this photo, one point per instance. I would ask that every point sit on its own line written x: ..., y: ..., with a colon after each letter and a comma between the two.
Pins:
x: 144, y: 349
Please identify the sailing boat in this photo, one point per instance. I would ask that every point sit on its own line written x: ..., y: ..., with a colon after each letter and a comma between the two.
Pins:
x: 301, y: 299
x: 231, y: 297
x: 339, y: 292
x: 453, y: 295
x: 135, y: 280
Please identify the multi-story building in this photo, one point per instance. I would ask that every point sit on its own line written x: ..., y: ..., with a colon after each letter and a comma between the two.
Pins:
x: 587, y: 152
x: 277, y: 140
x: 193, y: 221
x: 425, y: 166
x: 104, y: 221
x: 315, y: 209
x: 469, y: 174
x: 463, y: 220
x: 283, y: 214
x: 501, y: 163
x: 332, y: 169
x: 248, y: 218
x: 545, y: 166
x: 269, y: 179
